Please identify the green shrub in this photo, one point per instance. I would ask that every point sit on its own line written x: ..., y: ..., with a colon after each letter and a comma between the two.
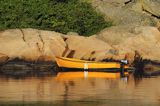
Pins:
x: 58, y: 15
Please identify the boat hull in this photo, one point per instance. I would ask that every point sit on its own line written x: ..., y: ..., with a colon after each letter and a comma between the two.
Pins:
x: 112, y: 70
x: 68, y: 63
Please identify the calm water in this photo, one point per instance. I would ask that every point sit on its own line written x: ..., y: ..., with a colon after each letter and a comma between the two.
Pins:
x: 80, y: 91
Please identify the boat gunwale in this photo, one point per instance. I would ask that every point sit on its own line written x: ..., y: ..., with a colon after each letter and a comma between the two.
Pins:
x: 84, y: 61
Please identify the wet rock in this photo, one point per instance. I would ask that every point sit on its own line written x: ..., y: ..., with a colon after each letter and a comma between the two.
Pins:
x: 18, y: 67
x: 3, y: 58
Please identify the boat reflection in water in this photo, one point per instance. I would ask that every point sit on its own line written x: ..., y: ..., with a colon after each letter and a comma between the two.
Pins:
x: 86, y: 74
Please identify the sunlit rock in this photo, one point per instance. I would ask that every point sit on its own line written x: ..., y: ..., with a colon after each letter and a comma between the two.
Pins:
x: 89, y: 48
x: 31, y: 44
x: 143, y: 39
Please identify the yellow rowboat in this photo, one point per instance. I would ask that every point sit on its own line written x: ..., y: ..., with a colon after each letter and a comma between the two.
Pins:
x: 71, y: 64
x: 77, y: 75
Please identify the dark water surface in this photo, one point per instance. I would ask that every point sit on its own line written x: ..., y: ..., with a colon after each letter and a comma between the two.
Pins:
x: 43, y: 91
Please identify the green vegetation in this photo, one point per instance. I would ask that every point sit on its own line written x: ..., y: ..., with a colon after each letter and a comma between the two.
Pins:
x: 58, y: 15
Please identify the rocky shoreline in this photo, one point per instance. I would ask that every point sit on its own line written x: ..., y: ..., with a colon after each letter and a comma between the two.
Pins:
x: 20, y: 68
x: 110, y: 43
x: 32, y: 47
x: 135, y: 36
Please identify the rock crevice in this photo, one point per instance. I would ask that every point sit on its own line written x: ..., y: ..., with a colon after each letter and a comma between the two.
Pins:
x: 43, y: 43
x: 23, y: 36
x: 129, y: 1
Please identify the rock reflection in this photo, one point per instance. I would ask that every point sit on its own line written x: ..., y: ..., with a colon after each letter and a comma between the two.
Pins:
x: 40, y: 89
x: 66, y: 91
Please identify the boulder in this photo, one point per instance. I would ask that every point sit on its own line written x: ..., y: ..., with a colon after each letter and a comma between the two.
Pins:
x: 151, y: 6
x: 111, y: 43
x: 54, y: 45
x: 118, y: 13
x: 12, y: 43
x: 89, y: 48
x: 31, y: 44
x: 144, y: 40
x: 116, y: 34
x: 39, y: 45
